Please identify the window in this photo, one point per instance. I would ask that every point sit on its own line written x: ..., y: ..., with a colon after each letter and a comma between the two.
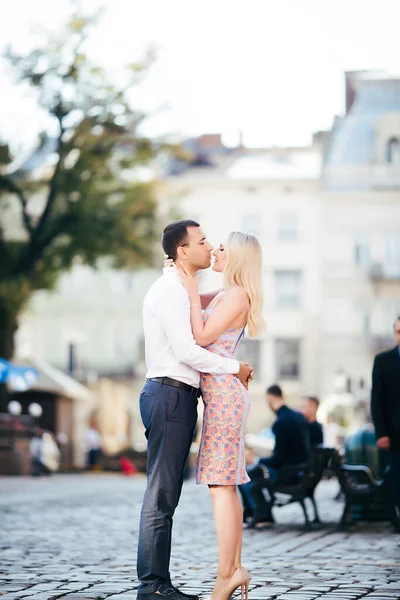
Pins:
x: 250, y: 351
x: 392, y: 256
x: 252, y: 224
x: 288, y: 288
x: 124, y: 343
x: 393, y: 151
x: 362, y: 251
x: 287, y: 356
x: 72, y: 359
x: 287, y: 227
x: 367, y: 324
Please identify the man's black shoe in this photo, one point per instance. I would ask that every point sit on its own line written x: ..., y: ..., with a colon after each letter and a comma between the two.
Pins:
x: 187, y: 596
x: 166, y: 592
x: 247, y: 515
x: 260, y: 523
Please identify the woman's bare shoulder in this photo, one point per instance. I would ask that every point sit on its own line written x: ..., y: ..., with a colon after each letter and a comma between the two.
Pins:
x: 237, y: 294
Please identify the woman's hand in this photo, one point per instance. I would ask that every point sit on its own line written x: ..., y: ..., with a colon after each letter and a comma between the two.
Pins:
x: 190, y: 283
x: 168, y: 262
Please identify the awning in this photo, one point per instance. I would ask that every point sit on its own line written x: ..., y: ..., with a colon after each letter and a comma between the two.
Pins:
x: 55, y: 381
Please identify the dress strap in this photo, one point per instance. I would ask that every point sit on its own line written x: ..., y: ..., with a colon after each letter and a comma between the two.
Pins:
x: 241, y: 334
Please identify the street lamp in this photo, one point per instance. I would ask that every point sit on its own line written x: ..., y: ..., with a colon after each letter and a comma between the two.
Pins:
x: 14, y: 408
x: 35, y: 410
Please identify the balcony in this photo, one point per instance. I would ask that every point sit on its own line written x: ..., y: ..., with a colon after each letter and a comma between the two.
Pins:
x: 384, y: 272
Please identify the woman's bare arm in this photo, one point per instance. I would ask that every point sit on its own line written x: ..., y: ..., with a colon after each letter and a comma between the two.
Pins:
x: 233, y: 304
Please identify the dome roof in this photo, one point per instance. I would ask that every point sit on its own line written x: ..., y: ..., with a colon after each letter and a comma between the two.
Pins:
x: 353, y: 136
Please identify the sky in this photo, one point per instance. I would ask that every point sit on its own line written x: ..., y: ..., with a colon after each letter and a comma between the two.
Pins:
x: 272, y: 69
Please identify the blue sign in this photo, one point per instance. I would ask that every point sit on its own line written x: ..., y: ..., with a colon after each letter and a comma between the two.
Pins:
x: 20, y: 378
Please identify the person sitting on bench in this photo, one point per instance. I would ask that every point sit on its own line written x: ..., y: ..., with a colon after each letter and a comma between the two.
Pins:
x: 292, y: 447
x: 309, y: 408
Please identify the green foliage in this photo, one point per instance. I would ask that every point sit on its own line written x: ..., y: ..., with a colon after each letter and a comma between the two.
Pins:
x: 86, y: 202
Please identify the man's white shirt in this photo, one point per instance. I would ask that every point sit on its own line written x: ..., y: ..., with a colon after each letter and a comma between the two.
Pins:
x: 171, y: 350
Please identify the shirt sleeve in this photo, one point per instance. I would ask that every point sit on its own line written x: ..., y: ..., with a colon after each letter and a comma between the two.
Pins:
x: 175, y: 317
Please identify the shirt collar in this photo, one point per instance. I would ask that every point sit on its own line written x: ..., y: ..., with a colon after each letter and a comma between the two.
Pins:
x: 170, y: 271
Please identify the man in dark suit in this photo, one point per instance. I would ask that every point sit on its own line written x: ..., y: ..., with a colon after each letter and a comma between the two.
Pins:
x: 385, y: 406
x: 309, y: 407
x: 292, y: 447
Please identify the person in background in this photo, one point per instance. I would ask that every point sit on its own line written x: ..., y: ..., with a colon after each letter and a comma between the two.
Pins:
x: 385, y: 406
x: 93, y: 446
x: 332, y: 438
x: 292, y: 447
x: 35, y: 449
x: 309, y: 407
x: 50, y: 454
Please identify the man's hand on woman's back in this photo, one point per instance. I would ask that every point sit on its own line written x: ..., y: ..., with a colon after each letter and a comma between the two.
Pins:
x: 245, y: 374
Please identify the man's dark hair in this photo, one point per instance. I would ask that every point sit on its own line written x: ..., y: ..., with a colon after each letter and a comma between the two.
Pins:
x: 175, y: 235
x: 313, y: 399
x: 275, y: 390
x: 396, y: 321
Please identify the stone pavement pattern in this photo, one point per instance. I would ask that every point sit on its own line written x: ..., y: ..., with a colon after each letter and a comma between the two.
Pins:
x: 74, y: 536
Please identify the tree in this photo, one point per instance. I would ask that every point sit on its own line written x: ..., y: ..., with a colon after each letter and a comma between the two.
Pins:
x: 76, y: 197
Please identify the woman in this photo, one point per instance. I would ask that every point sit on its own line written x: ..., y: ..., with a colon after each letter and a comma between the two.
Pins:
x: 221, y: 461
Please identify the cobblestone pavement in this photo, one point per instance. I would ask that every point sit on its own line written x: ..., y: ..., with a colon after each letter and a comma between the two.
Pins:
x: 74, y: 536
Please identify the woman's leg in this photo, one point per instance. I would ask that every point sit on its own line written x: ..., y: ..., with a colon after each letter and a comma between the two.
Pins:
x: 238, y: 555
x: 225, y: 503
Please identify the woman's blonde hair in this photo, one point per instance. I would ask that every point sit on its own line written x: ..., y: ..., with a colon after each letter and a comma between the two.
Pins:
x: 244, y: 269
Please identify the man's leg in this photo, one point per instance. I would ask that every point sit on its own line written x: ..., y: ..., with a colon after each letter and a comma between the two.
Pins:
x: 247, y: 499
x: 259, y: 482
x: 169, y: 416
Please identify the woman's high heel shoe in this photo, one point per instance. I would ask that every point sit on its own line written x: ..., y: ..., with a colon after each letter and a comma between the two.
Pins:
x: 241, y: 579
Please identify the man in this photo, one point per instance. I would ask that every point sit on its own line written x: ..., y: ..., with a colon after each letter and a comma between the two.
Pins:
x: 292, y: 447
x: 308, y: 408
x: 385, y: 406
x: 168, y: 402
x: 93, y: 446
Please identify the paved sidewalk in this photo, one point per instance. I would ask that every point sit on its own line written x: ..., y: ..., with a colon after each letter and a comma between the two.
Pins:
x: 74, y: 536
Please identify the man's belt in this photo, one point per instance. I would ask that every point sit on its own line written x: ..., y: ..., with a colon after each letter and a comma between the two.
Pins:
x: 178, y: 384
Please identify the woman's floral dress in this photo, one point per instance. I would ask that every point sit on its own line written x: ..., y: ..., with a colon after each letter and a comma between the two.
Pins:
x: 221, y: 459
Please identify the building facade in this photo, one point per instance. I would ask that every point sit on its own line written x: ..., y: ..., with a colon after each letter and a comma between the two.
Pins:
x: 360, y: 221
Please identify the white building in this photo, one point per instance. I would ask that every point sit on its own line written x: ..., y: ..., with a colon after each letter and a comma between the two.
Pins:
x: 360, y: 221
x: 90, y: 324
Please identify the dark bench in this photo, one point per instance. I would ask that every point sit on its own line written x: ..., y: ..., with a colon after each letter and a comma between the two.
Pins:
x: 361, y: 489
x: 298, y: 482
